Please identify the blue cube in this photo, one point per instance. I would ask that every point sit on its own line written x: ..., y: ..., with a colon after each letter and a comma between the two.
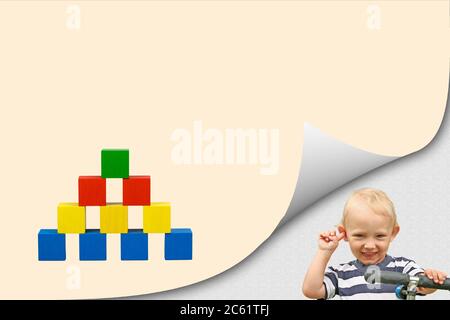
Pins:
x: 51, y: 245
x: 92, y: 245
x: 134, y: 245
x: 178, y: 244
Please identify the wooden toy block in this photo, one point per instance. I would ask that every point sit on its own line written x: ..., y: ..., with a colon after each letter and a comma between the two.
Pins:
x: 92, y: 245
x: 136, y: 191
x: 114, y: 218
x: 157, y: 217
x: 178, y: 244
x: 91, y: 191
x: 134, y: 245
x: 51, y: 245
x: 115, y: 163
x: 71, y: 218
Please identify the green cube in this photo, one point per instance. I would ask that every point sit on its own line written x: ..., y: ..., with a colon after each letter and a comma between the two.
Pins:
x: 115, y: 163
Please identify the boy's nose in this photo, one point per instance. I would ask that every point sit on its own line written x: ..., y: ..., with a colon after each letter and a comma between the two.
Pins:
x: 369, y: 245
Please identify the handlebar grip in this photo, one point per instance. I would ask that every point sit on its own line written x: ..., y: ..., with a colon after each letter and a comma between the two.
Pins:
x: 427, y: 283
x: 391, y: 277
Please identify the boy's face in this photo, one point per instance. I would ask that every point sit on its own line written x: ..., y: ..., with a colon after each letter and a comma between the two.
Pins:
x: 368, y: 234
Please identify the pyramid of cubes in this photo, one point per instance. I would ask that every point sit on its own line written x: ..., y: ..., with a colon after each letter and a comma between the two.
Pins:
x: 114, y: 218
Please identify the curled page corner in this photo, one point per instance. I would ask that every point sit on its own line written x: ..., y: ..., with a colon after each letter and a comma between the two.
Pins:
x: 327, y: 164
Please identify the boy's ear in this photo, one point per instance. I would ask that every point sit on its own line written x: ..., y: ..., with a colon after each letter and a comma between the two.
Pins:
x: 395, y: 231
x: 341, y: 229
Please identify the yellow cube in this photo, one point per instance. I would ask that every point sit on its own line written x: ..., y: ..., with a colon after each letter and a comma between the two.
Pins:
x: 114, y: 218
x: 71, y: 218
x: 157, y: 217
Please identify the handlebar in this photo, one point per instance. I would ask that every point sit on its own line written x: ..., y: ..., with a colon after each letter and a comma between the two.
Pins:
x: 391, y: 277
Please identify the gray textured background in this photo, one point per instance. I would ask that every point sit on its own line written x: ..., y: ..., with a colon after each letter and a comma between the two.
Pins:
x: 419, y: 186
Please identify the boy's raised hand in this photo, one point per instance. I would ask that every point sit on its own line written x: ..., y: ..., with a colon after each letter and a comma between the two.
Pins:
x: 329, y: 240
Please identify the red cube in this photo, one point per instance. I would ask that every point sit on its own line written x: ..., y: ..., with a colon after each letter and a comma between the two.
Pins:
x: 136, y: 191
x: 91, y: 191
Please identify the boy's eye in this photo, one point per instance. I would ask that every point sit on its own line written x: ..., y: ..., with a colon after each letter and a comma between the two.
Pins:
x: 357, y: 235
x: 381, y: 236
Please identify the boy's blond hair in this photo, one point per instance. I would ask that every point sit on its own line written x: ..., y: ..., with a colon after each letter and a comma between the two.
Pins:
x: 377, y: 200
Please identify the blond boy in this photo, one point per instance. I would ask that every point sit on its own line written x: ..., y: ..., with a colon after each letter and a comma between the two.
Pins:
x: 369, y: 224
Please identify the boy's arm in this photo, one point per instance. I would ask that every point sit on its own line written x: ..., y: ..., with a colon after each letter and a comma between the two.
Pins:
x: 313, y: 286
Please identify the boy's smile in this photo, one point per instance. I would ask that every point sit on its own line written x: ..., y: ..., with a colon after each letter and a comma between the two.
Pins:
x: 368, y: 233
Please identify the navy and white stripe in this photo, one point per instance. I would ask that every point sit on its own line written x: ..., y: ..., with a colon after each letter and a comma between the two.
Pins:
x: 347, y: 280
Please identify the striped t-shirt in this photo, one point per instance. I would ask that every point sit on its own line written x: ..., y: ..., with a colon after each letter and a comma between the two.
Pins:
x: 347, y: 280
